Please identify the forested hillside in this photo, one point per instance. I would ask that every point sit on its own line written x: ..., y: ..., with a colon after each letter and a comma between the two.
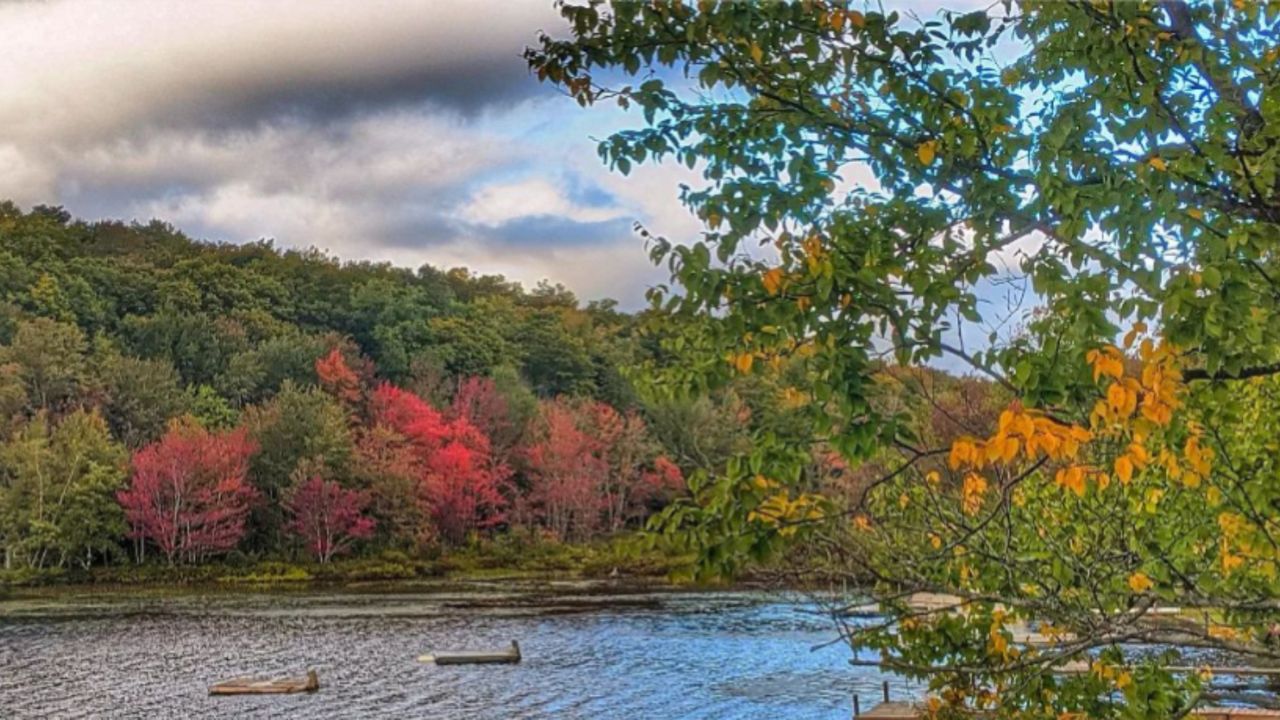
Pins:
x: 174, y: 400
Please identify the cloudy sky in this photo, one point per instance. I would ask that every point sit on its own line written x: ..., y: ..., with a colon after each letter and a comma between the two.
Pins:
x: 400, y: 130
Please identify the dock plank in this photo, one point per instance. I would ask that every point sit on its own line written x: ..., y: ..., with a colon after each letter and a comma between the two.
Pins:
x: 909, y: 711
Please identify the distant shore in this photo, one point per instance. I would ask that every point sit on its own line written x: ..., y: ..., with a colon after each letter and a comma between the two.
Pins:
x: 617, y: 559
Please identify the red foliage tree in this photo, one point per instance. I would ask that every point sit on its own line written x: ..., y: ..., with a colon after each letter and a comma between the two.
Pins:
x: 566, y: 467
x: 594, y: 468
x: 459, y: 481
x: 660, y: 482
x: 337, y: 377
x: 479, y: 402
x: 328, y: 517
x: 189, y: 493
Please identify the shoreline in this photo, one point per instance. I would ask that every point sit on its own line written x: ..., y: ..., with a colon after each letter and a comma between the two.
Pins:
x: 616, y: 562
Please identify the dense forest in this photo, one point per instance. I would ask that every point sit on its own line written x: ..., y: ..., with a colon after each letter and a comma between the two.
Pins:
x: 173, y: 401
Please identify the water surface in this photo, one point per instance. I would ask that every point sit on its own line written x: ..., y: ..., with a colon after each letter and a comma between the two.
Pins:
x: 588, y: 654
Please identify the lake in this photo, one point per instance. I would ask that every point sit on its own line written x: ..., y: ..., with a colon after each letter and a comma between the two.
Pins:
x: 589, y: 652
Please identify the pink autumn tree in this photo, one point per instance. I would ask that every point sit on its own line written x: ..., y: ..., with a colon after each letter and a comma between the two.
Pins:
x: 189, y: 494
x: 592, y: 468
x: 566, y: 466
x: 328, y: 517
x: 459, y: 482
x: 479, y: 401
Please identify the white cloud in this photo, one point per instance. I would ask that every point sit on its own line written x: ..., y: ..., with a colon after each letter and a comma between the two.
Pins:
x: 501, y: 202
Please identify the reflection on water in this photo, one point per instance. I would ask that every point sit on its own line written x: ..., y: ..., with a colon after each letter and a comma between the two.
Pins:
x: 586, y: 655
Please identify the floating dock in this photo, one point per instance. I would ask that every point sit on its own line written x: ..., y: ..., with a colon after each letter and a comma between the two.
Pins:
x: 509, y: 656
x: 280, y: 686
x: 909, y: 711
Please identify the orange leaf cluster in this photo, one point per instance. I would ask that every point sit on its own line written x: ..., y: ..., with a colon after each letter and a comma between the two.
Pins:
x: 1138, y: 404
x: 1020, y: 431
x: 1154, y: 392
x: 975, y: 487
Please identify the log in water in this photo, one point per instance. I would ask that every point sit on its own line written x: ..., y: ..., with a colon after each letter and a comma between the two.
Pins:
x: 475, y: 657
x: 281, y: 686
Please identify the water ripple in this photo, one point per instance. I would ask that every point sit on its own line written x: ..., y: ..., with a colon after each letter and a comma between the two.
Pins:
x: 586, y: 655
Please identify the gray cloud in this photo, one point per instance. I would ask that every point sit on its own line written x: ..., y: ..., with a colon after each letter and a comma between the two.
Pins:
x: 398, y: 130
x: 88, y: 69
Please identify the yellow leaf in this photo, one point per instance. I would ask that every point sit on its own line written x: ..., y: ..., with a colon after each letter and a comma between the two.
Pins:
x: 926, y: 151
x: 975, y: 486
x: 756, y: 53
x: 1124, y: 469
x: 1009, y: 451
x: 1223, y: 632
x: 1117, y: 398
x: 1230, y: 562
x: 1158, y: 163
x: 962, y: 451
x: 744, y: 362
x: 1196, y: 214
x: 1139, y: 582
x: 1137, y: 330
x: 1072, y: 478
x: 1139, y: 455
x: 772, y: 280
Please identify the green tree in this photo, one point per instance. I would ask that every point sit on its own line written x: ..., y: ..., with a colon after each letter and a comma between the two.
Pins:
x: 301, y: 429
x: 256, y: 374
x: 49, y: 301
x: 700, y: 432
x: 57, y: 496
x: 1118, y: 158
x: 211, y: 409
x: 197, y: 345
x: 555, y: 361
x: 471, y: 342
x: 51, y: 359
x: 139, y: 397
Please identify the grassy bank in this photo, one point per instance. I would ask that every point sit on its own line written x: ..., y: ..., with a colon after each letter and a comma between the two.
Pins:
x: 506, y: 556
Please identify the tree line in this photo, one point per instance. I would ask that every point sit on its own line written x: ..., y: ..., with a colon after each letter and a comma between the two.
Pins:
x: 169, y: 400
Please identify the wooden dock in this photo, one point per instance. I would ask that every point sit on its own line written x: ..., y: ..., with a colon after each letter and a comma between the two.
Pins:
x: 909, y: 711
x: 893, y: 711
x: 1081, y: 667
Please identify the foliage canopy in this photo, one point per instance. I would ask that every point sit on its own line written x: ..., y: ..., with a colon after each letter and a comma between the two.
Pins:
x: 871, y: 182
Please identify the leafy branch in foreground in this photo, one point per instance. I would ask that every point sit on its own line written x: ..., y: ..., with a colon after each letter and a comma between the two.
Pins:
x: 869, y: 182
